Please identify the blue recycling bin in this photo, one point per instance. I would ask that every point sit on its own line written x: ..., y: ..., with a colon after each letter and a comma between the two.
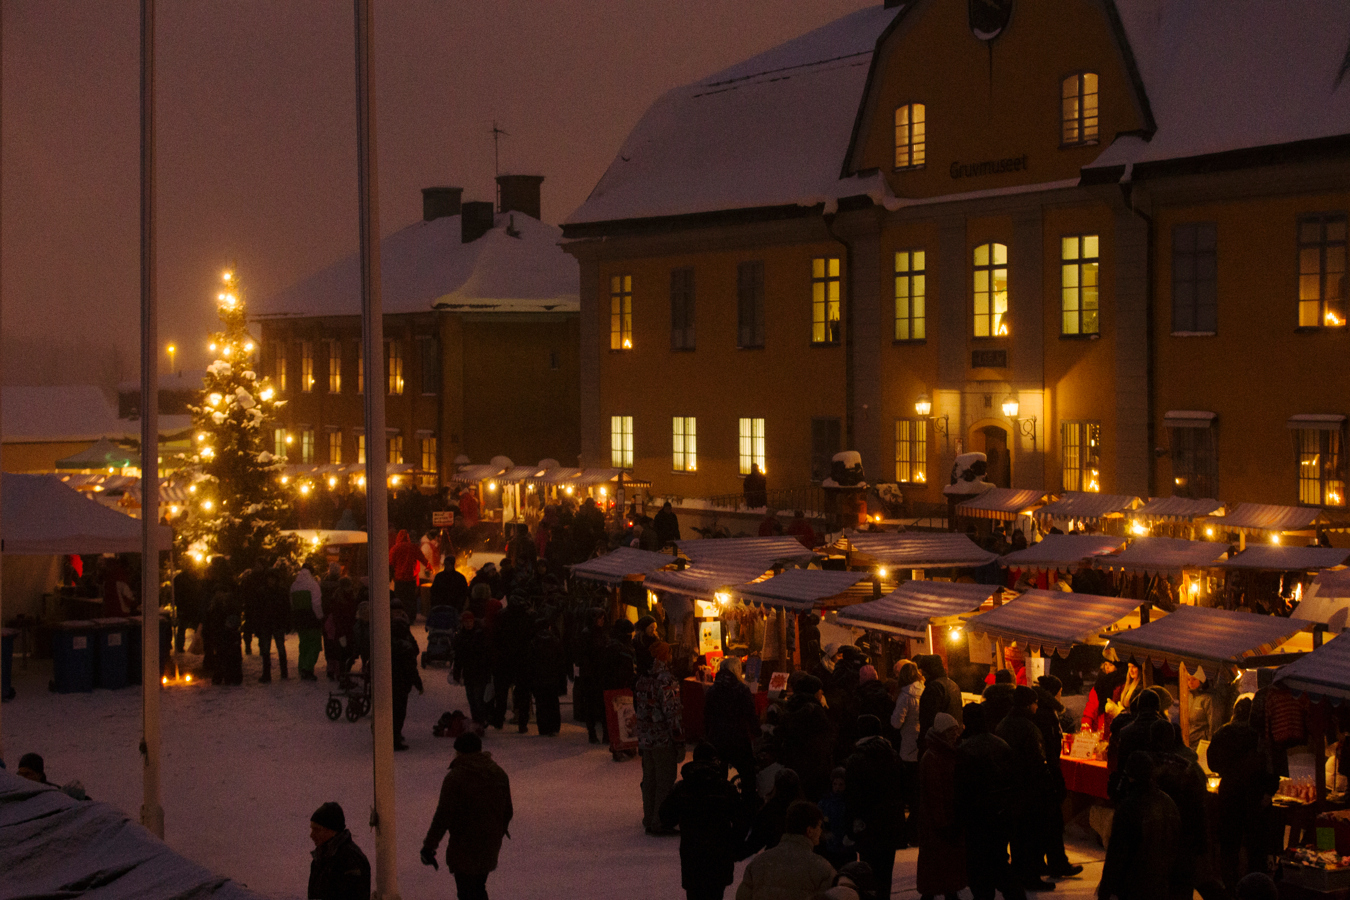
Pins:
x: 73, y: 647
x: 6, y: 662
x: 110, y: 643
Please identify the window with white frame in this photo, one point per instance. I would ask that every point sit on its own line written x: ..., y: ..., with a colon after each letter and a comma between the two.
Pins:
x: 334, y: 367
x: 621, y: 442
x: 1078, y: 97
x: 825, y: 292
x: 1321, y: 466
x: 621, y: 312
x: 752, y: 445
x: 1080, y: 311
x: 910, y: 300
x: 1080, y: 450
x: 393, y: 364
x: 306, y: 444
x: 991, y: 290
x: 334, y: 447
x: 684, y: 432
x: 911, y: 451
x: 306, y: 366
x: 911, y: 136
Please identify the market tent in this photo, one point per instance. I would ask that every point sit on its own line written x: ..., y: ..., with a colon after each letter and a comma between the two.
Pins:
x: 52, y: 845
x: 1154, y: 555
x: 1001, y: 503
x: 620, y: 563
x: 475, y: 474
x: 1087, y: 505
x: 1327, y: 600
x: 517, y: 474
x: 42, y: 516
x: 798, y: 589
x: 556, y: 475
x: 1249, y: 517
x: 1053, y: 621
x: 1176, y: 509
x: 1062, y: 551
x: 102, y: 454
x: 1206, y: 638
x: 1279, y: 558
x: 765, y: 551
x: 919, y: 550
x: 910, y: 608
x: 706, y: 579
x: 1325, y: 672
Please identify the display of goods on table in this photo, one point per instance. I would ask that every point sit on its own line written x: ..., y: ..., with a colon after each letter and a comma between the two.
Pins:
x: 1318, y: 870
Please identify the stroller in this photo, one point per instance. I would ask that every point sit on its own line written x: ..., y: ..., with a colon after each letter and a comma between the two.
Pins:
x: 440, y: 632
x: 354, y: 687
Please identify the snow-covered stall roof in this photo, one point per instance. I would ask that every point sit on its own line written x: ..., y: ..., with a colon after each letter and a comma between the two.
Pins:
x: 517, y: 474
x: 770, y: 131
x: 707, y: 578
x: 56, y: 846
x: 1048, y: 621
x: 1001, y: 503
x: 911, y: 607
x: 1222, y: 76
x: 42, y: 517
x: 1062, y: 551
x: 1325, y: 672
x: 1202, y: 637
x: 1176, y: 509
x: 1327, y: 599
x: 1251, y: 517
x: 761, y: 551
x: 919, y: 550
x: 475, y: 474
x: 1279, y: 558
x: 65, y: 412
x: 101, y: 454
x: 426, y: 265
x: 1087, y: 505
x: 621, y: 563
x: 798, y: 589
x: 1153, y: 555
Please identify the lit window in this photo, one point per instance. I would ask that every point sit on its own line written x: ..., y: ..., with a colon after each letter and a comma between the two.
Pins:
x: 334, y: 447
x: 1079, y: 310
x: 279, y: 365
x: 393, y: 363
x: 750, y: 305
x: 910, y: 136
x: 1080, y: 445
x: 361, y: 448
x: 1321, y: 271
x: 429, y: 359
x: 911, y: 451
x: 910, y: 288
x: 306, y: 366
x: 825, y: 300
x: 1079, y: 93
x: 279, y: 442
x: 395, y: 449
x: 682, y: 309
x: 752, y: 444
x: 621, y: 441
x: 1321, y: 467
x: 307, y: 445
x: 991, y: 290
x: 334, y: 367
x: 621, y: 312
x: 1195, y: 292
x: 360, y: 369
x: 1195, y: 460
x: 685, y: 458
x: 429, y: 453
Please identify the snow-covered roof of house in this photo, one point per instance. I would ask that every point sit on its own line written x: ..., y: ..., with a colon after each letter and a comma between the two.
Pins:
x: 1223, y: 76
x: 427, y: 266
x: 770, y: 131
x: 65, y: 412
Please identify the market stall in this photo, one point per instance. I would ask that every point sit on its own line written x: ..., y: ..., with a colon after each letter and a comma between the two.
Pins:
x: 765, y: 550
x: 911, y: 551
x: 1272, y: 578
x: 1002, y: 504
x: 1042, y: 562
x: 1081, y: 509
x: 1175, y: 516
x: 919, y: 613
x: 1326, y: 601
x: 1165, y: 571
x: 1266, y: 523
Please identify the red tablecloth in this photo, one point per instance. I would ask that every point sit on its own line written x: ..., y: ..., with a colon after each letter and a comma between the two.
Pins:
x: 1085, y: 776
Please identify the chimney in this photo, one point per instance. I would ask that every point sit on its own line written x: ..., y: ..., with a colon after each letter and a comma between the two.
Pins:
x: 519, y: 193
x: 439, y: 202
x: 476, y: 220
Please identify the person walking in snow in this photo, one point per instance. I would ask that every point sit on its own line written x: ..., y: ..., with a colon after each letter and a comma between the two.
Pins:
x: 403, y: 654
x: 475, y: 811
x: 710, y: 815
x: 339, y: 870
x: 404, y: 558
x: 306, y: 616
x: 660, y: 733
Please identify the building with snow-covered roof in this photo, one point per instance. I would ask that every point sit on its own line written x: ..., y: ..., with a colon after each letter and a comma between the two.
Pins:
x: 935, y: 227
x: 480, y: 327
x: 45, y: 423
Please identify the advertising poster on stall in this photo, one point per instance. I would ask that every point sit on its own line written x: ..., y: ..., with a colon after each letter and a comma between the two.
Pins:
x: 709, y: 637
x: 621, y: 720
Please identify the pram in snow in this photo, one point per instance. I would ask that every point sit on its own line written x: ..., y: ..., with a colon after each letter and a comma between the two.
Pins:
x: 440, y: 633
x: 354, y: 687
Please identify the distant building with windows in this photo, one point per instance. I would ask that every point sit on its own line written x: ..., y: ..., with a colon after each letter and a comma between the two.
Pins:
x: 480, y: 342
x: 1101, y: 241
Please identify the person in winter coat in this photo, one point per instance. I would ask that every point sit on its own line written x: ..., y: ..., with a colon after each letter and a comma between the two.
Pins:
x: 475, y: 811
x: 511, y: 638
x: 731, y: 723
x: 450, y: 588
x: 404, y: 558
x: 588, y: 698
x: 1178, y: 775
x: 792, y: 870
x: 942, y: 851
x: 473, y: 665
x: 276, y: 621
x: 1145, y: 833
x: 1030, y: 782
x: 660, y: 733
x: 1105, y: 691
x: 1136, y: 734
x: 618, y: 668
x: 940, y: 694
x: 667, y: 525
x: 874, y: 795
x: 873, y: 698
x: 837, y: 844
x: 338, y: 870
x: 905, y: 722
x: 709, y: 814
x: 404, y: 652
x: 805, y: 738
x: 548, y: 669
x: 225, y: 615
x: 1050, y: 803
x: 468, y: 507
x: 1235, y: 754
x: 755, y: 488
x: 306, y: 616
x: 984, y: 804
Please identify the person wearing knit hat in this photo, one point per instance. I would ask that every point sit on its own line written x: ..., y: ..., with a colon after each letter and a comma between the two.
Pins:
x: 1029, y: 778
x: 867, y: 673
x: 941, y: 868
x: 339, y: 869
x: 32, y: 767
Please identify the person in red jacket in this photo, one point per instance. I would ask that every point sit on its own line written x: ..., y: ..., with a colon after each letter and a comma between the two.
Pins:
x: 404, y: 557
x: 468, y: 508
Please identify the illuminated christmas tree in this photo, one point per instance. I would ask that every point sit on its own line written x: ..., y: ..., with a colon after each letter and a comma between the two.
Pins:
x: 237, y: 493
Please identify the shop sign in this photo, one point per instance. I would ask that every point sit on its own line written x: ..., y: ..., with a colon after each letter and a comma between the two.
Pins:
x: 989, y: 167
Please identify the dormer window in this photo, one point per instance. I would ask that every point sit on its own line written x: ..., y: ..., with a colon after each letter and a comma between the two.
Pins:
x: 910, y: 136
x: 1079, y: 109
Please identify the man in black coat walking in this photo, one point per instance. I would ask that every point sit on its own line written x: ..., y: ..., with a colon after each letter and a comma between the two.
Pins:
x: 473, y: 665
x: 731, y: 723
x: 710, y: 817
x: 1030, y: 782
x: 404, y: 668
x: 339, y: 870
x: 984, y: 806
x: 874, y: 801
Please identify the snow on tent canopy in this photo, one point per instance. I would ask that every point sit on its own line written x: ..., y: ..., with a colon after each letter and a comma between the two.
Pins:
x: 1062, y: 551
x: 917, y: 550
x: 1053, y: 621
x: 56, y: 846
x: 1001, y: 503
x: 102, y: 454
x: 557, y: 475
x: 1163, y: 555
x: 475, y: 474
x: 762, y: 551
x: 705, y: 579
x: 1283, y: 558
x: 1258, y: 517
x: 1176, y: 509
x: 910, y: 608
x: 43, y: 517
x: 517, y: 474
x: 1327, y: 600
x: 1206, y: 638
x: 621, y: 563
x: 798, y: 589
x: 1087, y: 505
x: 1325, y: 672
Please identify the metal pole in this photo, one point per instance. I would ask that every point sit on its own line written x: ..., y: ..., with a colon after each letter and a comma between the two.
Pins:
x: 152, y: 812
x: 377, y: 504
x: 2, y: 552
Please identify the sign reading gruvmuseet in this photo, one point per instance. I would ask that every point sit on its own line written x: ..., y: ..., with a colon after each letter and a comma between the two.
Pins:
x: 989, y: 167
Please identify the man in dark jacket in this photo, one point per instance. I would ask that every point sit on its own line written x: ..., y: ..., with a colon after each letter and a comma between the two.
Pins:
x: 511, y: 638
x: 548, y: 670
x: 667, y: 525
x: 874, y: 801
x: 404, y: 651
x: 449, y: 588
x: 339, y: 871
x: 704, y: 806
x: 1244, y: 810
x: 475, y: 810
x: 984, y: 804
x: 1050, y: 802
x: 1030, y: 782
x: 940, y: 694
x: 473, y: 665
x: 618, y: 669
x: 1136, y: 735
x: 806, y: 738
x: 1141, y: 858
x: 588, y: 699
x: 731, y: 723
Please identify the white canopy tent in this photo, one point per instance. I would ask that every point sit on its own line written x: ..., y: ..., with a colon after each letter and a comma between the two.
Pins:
x: 44, y: 517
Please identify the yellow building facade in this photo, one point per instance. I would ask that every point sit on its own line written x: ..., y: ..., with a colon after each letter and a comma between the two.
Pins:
x: 1014, y: 198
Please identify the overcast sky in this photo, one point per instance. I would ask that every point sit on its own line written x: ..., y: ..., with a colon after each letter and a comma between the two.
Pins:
x: 256, y: 132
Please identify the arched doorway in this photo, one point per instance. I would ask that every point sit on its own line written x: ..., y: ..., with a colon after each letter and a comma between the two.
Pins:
x: 992, y: 441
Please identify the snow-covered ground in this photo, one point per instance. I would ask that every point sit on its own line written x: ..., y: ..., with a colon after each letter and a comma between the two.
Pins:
x: 244, y: 767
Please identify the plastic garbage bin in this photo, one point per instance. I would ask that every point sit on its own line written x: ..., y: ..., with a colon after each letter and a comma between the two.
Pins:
x: 73, y: 657
x: 110, y: 642
x: 6, y: 662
